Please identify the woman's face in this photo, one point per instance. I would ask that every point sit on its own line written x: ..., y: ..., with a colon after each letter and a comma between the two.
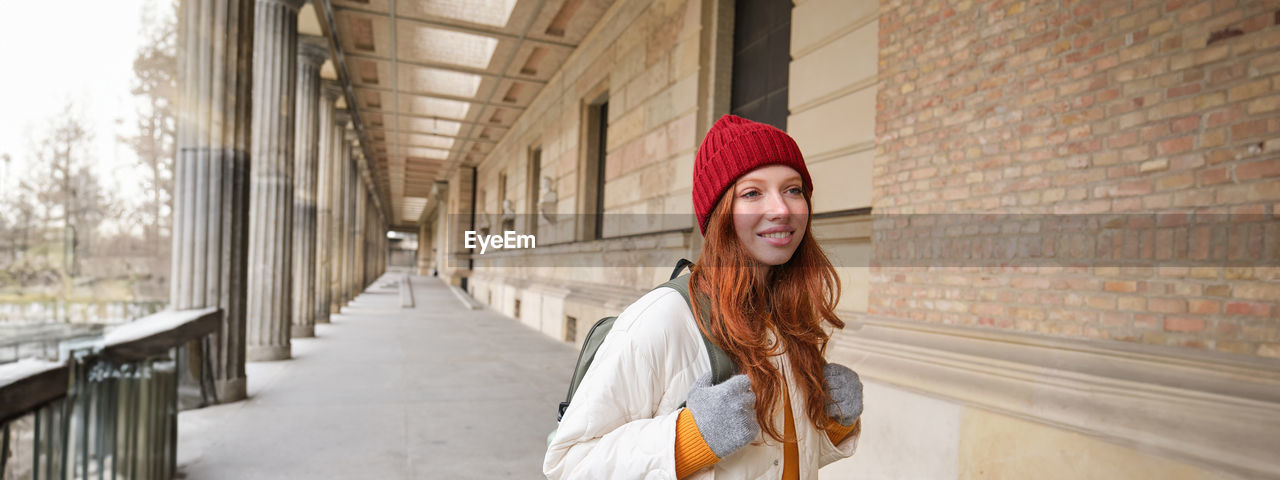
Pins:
x: 770, y: 212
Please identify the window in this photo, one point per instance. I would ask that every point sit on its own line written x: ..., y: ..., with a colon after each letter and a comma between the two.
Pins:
x: 570, y: 329
x: 761, y: 61
x: 502, y: 189
x: 591, y: 168
x: 533, y: 188
x: 482, y: 226
x: 601, y: 147
x: 505, y: 213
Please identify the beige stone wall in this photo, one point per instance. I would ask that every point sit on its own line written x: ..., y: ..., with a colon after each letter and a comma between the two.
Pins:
x: 909, y: 435
x: 832, y: 91
x: 998, y: 446
x: 645, y: 55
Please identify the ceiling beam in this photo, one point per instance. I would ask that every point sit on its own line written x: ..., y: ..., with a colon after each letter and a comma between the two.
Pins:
x: 430, y: 117
x: 448, y: 67
x: 443, y: 96
x: 465, y: 28
x: 397, y: 131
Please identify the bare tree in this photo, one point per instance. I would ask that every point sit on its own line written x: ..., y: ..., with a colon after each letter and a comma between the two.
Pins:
x: 64, y: 184
x: 9, y: 226
x: 155, y: 86
x: 26, y: 225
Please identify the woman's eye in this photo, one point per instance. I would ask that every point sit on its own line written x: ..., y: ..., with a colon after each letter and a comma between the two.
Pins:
x: 750, y: 194
x: 795, y: 191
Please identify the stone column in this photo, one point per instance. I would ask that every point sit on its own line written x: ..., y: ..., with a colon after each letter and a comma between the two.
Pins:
x: 312, y: 51
x: 344, y: 229
x: 370, y: 241
x: 380, y: 239
x: 342, y: 151
x: 362, y: 212
x: 348, y: 224
x: 383, y: 244
x: 329, y: 92
x: 424, y: 249
x: 381, y: 258
x: 275, y: 45
x: 362, y: 229
x: 371, y: 257
x: 211, y: 176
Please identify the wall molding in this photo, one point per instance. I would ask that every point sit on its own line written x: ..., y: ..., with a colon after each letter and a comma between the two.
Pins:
x: 863, y: 84
x: 595, y: 295
x: 840, y: 152
x: 674, y: 239
x: 843, y: 225
x: 833, y: 36
x: 1215, y: 410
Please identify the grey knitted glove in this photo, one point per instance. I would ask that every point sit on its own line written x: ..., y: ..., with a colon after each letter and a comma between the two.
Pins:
x: 846, y: 393
x: 725, y: 413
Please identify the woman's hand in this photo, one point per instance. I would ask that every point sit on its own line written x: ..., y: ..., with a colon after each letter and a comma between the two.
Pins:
x: 846, y: 393
x: 725, y: 413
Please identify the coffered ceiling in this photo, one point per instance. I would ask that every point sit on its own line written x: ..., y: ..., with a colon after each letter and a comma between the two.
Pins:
x: 437, y: 83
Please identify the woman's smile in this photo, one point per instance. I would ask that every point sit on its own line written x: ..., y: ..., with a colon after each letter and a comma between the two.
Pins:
x: 778, y: 237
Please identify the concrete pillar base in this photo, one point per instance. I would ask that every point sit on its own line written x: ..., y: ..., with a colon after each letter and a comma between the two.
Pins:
x: 302, y: 331
x: 267, y: 353
x: 231, y: 390
x: 335, y: 308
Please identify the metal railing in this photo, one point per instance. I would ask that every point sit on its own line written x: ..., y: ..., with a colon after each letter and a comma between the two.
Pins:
x: 108, y: 408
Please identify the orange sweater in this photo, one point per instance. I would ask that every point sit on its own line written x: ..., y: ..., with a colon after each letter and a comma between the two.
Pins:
x: 693, y: 454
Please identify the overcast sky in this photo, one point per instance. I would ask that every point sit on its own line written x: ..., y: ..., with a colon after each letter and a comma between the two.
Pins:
x: 80, y: 51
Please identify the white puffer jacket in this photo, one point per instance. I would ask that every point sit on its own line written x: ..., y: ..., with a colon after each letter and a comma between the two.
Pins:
x: 621, y: 423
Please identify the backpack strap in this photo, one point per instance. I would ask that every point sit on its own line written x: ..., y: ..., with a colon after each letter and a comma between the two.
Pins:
x: 586, y: 355
x: 684, y: 262
x: 722, y: 367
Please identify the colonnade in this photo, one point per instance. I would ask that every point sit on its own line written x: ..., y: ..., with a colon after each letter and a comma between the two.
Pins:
x: 276, y: 219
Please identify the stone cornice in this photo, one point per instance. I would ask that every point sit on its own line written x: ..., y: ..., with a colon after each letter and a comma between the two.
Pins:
x: 293, y: 5
x: 331, y: 91
x: 342, y: 117
x: 313, y: 49
x: 1216, y: 410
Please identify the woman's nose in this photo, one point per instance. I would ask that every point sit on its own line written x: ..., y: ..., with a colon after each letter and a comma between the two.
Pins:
x: 777, y: 205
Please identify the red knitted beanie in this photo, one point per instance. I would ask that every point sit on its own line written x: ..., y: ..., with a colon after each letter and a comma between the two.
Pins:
x: 733, y: 147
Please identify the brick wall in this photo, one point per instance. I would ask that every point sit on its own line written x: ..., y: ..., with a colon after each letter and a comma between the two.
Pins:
x: 1103, y: 110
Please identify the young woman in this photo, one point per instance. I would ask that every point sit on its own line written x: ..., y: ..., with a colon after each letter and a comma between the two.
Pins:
x: 647, y: 407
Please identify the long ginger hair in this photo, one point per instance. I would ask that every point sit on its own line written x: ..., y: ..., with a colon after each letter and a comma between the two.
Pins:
x: 794, y: 300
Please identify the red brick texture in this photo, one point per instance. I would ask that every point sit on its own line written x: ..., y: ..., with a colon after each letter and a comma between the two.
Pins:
x: 1085, y: 107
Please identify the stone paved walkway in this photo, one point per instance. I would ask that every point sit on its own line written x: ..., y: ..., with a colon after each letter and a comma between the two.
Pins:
x: 436, y: 391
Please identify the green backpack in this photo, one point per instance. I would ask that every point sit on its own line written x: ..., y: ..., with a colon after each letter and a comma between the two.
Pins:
x: 722, y: 367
